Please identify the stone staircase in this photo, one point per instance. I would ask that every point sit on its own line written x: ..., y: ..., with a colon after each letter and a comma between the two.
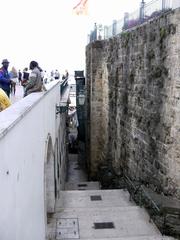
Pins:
x: 84, y: 211
x: 100, y: 214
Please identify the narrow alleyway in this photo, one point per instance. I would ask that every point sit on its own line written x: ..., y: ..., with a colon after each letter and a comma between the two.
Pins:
x: 77, y: 177
x: 85, y: 211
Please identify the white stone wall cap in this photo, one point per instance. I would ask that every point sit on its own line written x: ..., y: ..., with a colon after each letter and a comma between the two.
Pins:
x: 13, y: 114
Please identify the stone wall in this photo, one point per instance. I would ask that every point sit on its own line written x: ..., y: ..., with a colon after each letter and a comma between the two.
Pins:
x: 133, y: 91
x: 97, y: 106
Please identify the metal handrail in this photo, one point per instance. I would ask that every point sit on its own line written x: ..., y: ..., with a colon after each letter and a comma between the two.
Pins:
x: 160, y: 204
x: 63, y: 85
x: 161, y: 207
x: 139, y: 188
x: 151, y: 200
x: 130, y: 186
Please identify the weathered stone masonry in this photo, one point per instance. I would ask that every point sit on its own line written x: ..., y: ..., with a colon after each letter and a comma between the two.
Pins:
x: 133, y: 92
x: 97, y: 105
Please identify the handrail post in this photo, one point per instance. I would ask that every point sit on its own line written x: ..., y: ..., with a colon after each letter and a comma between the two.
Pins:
x: 114, y: 27
x: 126, y: 20
x: 95, y: 32
x: 163, y: 5
x: 105, y: 32
x: 141, y: 13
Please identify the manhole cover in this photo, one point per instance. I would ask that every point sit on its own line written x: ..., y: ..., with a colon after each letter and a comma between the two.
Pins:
x: 96, y: 198
x: 104, y: 225
x: 82, y: 185
x: 67, y: 228
x: 67, y: 223
x: 67, y: 234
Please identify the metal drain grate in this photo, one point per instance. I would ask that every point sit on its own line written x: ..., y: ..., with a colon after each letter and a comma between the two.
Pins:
x: 82, y: 185
x: 104, y: 225
x: 96, y: 198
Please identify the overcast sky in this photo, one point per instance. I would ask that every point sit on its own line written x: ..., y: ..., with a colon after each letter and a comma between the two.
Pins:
x: 48, y: 32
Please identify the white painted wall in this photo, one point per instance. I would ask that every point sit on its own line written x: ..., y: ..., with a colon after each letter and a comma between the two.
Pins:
x: 24, y: 128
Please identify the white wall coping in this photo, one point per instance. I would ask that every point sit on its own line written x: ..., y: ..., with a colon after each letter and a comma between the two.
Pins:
x: 13, y: 114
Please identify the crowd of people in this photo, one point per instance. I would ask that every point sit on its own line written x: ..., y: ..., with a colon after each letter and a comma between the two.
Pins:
x: 31, y: 80
x: 54, y: 75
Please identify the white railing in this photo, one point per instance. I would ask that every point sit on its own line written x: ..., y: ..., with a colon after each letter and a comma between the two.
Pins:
x: 146, y: 11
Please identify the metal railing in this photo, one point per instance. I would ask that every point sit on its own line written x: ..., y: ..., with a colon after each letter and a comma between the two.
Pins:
x: 146, y: 12
x: 158, y: 204
x: 63, y: 85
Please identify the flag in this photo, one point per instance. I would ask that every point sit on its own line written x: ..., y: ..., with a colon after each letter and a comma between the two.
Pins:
x: 81, y: 8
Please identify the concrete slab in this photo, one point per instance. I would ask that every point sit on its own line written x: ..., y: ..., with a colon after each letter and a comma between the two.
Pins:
x: 75, y: 172
x: 82, y: 185
x: 82, y: 199
x: 134, y: 238
x: 128, y: 222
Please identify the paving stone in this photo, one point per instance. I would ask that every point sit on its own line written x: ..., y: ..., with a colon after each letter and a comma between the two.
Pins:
x: 115, y: 198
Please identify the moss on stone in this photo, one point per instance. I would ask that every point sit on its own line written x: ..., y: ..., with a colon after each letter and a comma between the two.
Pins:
x: 125, y: 37
x: 163, y: 33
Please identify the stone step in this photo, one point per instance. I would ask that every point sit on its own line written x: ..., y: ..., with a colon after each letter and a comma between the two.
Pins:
x: 76, y: 171
x: 53, y: 236
x: 131, y: 238
x: 66, y: 233
x: 93, y: 199
x: 82, y: 185
x: 100, y: 214
x: 126, y: 221
x: 135, y: 238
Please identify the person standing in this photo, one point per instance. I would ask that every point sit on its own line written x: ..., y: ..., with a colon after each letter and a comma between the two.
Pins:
x: 66, y: 74
x: 25, y: 77
x: 14, y: 78
x: 34, y: 83
x: 20, y: 77
x: 56, y: 75
x: 5, y: 79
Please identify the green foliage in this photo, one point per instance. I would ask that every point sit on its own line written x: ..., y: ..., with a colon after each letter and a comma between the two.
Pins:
x: 163, y: 33
x: 125, y: 37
